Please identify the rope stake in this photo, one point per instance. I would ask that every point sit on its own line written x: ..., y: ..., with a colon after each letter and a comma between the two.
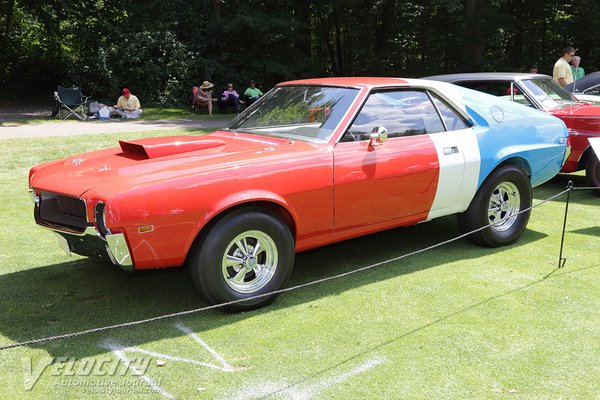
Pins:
x: 561, y: 259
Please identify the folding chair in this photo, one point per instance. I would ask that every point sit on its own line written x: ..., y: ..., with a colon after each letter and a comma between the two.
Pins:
x: 72, y: 101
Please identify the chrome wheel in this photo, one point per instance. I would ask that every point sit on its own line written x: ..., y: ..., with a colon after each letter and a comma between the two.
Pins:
x: 250, y: 261
x: 248, y: 252
x: 504, y: 206
x: 497, y: 205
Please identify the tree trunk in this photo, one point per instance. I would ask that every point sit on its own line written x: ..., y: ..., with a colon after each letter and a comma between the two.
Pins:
x: 217, y: 9
x: 339, y: 51
x: 9, y: 7
x: 303, y: 38
x: 383, y: 29
x: 473, y: 35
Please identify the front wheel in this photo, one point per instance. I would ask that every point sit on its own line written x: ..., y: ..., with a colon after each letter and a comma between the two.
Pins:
x: 248, y: 253
x: 592, y: 173
x: 498, y: 203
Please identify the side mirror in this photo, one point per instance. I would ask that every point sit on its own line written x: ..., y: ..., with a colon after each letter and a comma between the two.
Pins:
x: 378, y: 135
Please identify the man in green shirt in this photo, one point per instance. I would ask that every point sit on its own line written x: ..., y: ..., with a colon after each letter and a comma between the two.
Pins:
x: 577, y: 71
x: 252, y: 93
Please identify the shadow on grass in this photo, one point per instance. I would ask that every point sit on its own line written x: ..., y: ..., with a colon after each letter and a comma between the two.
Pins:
x: 84, y: 294
x: 559, y: 183
x: 593, y: 231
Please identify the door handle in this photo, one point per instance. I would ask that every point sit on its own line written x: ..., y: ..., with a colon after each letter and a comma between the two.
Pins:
x: 450, y: 150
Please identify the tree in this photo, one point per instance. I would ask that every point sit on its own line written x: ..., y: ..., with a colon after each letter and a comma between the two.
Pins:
x: 161, y: 48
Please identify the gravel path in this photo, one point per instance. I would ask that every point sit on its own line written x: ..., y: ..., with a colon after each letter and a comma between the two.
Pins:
x: 13, y: 129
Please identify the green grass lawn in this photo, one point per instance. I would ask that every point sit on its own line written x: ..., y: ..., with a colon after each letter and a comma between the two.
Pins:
x: 457, y: 322
x: 156, y: 113
x: 150, y: 114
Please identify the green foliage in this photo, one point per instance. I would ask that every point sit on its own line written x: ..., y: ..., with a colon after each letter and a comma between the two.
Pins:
x: 161, y: 48
x: 149, y: 63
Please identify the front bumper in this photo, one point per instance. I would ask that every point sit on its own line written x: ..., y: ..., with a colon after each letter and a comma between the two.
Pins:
x: 90, y: 243
x: 568, y: 151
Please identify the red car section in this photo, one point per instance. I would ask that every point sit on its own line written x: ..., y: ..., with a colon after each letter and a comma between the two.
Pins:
x: 312, y: 162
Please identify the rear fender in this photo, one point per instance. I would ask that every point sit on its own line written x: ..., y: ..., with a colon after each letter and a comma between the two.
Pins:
x: 583, y: 160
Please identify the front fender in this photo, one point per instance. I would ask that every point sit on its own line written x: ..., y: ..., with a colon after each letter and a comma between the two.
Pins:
x: 245, y: 197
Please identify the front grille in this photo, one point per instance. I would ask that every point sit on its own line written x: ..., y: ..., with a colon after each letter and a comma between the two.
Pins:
x: 71, y: 206
x: 69, y: 212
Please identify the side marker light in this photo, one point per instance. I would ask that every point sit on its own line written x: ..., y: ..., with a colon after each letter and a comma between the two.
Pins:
x: 146, y: 229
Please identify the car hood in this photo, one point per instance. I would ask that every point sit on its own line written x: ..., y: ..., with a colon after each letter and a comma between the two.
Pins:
x: 588, y: 98
x: 582, y: 119
x: 577, y: 110
x: 146, y: 161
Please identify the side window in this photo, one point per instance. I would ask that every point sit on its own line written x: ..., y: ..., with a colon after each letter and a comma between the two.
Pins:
x: 401, y: 112
x: 521, y: 99
x: 453, y: 120
x: 499, y: 89
x: 495, y: 88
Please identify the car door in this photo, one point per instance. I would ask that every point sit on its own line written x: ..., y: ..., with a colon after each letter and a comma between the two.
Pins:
x: 459, y: 161
x: 398, y: 180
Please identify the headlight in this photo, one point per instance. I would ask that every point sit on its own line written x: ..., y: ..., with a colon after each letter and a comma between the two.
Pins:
x: 100, y: 217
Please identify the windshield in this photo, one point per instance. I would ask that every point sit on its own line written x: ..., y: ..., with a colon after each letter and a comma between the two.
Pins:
x: 548, y: 93
x: 297, y: 112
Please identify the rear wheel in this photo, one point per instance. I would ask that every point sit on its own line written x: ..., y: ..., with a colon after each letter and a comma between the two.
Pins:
x: 592, y: 173
x: 249, y: 252
x: 498, y: 203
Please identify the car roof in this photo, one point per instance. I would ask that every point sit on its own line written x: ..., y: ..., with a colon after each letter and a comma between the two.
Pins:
x: 486, y: 76
x: 378, y: 82
x: 587, y: 81
x: 354, y: 81
x: 444, y: 89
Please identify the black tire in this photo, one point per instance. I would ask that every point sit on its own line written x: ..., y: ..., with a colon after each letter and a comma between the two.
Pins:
x: 507, y: 191
x: 236, y: 233
x: 592, y: 173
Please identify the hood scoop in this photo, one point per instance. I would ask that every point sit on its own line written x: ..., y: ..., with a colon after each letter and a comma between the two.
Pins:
x: 143, y: 149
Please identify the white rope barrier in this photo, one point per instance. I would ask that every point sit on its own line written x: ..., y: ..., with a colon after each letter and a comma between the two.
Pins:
x: 289, y: 289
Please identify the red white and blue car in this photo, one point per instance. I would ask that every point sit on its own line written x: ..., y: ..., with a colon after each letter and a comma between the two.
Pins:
x: 311, y: 163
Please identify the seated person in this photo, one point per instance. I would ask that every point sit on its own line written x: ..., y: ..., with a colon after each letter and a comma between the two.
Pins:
x: 128, y: 105
x: 252, y: 93
x: 230, y: 97
x: 203, y: 98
